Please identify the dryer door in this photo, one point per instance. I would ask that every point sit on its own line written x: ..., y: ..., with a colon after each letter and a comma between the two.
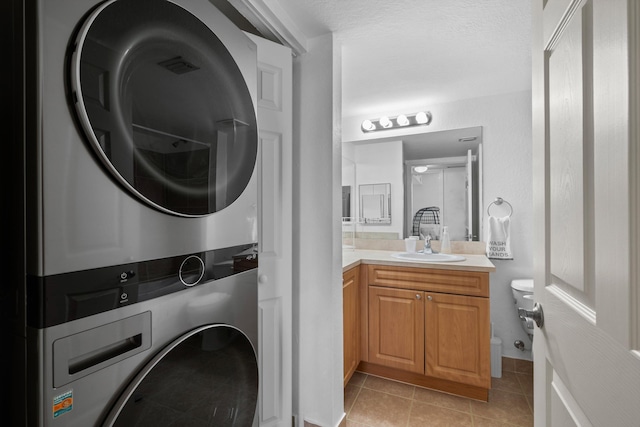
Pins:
x: 165, y: 105
x: 207, y: 377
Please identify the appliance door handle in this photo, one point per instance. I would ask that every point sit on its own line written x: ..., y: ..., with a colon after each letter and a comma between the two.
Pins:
x: 83, y: 353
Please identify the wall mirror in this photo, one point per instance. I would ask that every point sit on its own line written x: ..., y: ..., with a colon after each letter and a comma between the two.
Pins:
x: 437, y: 181
x: 375, y: 204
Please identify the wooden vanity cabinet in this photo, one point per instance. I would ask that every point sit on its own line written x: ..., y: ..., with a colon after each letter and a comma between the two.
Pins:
x: 351, y: 321
x: 440, y: 335
x: 429, y: 327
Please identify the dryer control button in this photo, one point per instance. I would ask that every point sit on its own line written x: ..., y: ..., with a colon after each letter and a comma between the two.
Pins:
x: 126, y: 275
x: 191, y: 270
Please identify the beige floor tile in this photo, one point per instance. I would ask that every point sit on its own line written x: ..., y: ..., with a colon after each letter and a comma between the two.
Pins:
x: 530, y: 401
x: 504, y: 407
x: 486, y: 422
x: 508, y: 382
x: 350, y: 394
x: 371, y: 401
x: 388, y: 386
x: 424, y: 414
x: 524, y: 366
x: 442, y: 399
x: 379, y: 409
x: 526, y: 381
x: 357, y: 378
x: 508, y: 364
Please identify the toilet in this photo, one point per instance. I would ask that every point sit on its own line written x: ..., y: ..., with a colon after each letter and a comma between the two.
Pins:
x: 522, y: 290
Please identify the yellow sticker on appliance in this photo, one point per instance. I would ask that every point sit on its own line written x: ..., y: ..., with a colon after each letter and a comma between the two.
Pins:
x: 62, y: 403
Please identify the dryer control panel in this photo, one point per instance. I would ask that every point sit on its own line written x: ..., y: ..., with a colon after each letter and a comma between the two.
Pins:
x: 61, y: 298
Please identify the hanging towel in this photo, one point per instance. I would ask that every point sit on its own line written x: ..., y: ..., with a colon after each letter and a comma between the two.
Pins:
x: 499, y: 238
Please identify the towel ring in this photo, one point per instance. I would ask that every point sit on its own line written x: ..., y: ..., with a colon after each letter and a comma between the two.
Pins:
x: 498, y: 201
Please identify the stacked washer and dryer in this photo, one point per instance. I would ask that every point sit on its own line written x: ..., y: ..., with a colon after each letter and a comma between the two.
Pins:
x: 141, y: 217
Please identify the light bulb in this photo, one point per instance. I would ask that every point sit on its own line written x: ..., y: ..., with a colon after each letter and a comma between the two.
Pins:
x: 368, y: 125
x: 402, y: 120
x: 422, y: 118
x: 421, y: 169
x: 385, y: 122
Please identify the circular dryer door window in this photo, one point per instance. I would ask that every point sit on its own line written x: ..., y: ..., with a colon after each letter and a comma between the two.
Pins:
x: 164, y: 105
x: 208, y: 377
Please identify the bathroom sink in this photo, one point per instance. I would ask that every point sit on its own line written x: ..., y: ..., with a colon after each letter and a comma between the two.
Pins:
x: 422, y: 257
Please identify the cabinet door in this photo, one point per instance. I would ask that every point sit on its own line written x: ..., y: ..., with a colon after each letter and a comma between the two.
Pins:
x: 351, y: 321
x: 396, y: 328
x: 458, y: 338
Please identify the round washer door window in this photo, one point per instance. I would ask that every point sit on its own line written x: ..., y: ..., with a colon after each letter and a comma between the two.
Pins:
x: 208, y: 377
x: 164, y: 105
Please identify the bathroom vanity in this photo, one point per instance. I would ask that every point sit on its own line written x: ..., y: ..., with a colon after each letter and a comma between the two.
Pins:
x: 422, y: 323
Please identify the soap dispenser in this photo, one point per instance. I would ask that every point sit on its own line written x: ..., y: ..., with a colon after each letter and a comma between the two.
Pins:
x: 445, y: 242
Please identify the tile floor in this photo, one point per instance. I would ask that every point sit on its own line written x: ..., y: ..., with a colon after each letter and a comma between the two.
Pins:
x: 370, y: 401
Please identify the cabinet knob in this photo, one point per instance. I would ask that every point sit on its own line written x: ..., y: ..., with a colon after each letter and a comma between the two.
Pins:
x: 429, y: 297
x: 418, y: 296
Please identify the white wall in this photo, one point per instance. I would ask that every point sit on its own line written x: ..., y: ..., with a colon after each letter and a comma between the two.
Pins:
x: 506, y: 125
x: 317, y: 253
x: 381, y: 164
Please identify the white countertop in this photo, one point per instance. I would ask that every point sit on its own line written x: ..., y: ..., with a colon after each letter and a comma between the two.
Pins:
x: 354, y: 257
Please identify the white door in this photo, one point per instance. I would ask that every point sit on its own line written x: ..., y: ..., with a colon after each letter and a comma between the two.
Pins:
x: 275, y: 213
x: 586, y: 201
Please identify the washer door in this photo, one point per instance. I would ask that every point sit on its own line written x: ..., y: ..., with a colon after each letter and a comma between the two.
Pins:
x: 208, y: 377
x: 164, y: 105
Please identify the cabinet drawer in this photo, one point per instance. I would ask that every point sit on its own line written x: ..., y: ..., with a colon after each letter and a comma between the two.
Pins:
x: 460, y: 282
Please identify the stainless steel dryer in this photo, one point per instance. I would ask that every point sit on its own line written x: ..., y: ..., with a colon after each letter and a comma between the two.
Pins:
x: 141, y: 220
x: 146, y: 125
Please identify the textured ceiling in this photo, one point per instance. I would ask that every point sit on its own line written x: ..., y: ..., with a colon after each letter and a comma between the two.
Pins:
x: 408, y: 54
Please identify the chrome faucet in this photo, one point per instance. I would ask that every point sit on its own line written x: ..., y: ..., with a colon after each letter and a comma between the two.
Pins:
x: 427, y: 245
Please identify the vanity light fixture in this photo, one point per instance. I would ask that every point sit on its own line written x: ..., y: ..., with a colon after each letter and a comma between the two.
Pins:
x: 421, y: 118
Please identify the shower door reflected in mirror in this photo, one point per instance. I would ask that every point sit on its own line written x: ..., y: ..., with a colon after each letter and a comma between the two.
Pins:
x: 443, y: 192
